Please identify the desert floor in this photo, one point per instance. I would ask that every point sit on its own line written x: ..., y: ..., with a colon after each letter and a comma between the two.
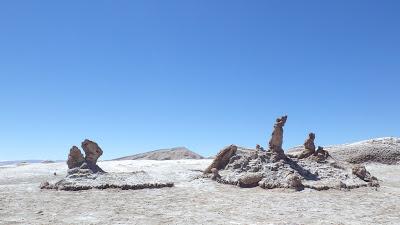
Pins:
x: 191, y: 201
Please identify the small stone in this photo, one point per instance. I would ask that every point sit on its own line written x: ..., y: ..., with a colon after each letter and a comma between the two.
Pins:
x: 44, y: 185
x: 250, y: 179
x: 294, y: 181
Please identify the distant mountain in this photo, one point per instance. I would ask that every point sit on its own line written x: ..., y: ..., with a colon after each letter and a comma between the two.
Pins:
x: 383, y: 150
x: 165, y: 154
x: 14, y: 162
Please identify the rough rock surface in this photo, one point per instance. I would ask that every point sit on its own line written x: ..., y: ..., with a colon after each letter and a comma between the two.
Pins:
x: 361, y: 172
x: 249, y: 179
x: 215, y: 174
x: 222, y: 159
x: 309, y: 147
x: 84, y: 174
x: 165, y: 154
x: 276, y: 141
x: 77, y: 162
x: 85, y: 180
x: 75, y: 158
x: 381, y: 150
x: 92, y: 151
x: 254, y: 168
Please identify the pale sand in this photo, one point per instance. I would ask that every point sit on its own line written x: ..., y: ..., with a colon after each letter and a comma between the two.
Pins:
x: 199, y: 201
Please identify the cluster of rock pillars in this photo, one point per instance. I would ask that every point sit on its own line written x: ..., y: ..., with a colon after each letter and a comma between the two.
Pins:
x: 313, y: 168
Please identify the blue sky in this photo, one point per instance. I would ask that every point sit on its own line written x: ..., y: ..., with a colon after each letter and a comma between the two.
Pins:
x: 142, y: 75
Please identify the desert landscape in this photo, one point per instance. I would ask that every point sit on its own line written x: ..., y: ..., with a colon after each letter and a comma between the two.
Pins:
x: 199, y: 112
x: 196, y: 199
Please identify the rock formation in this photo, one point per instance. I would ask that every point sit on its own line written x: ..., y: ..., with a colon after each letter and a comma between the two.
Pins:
x: 75, y: 158
x: 92, y: 151
x: 321, y: 152
x: 251, y: 169
x: 276, y: 141
x: 222, y: 159
x: 250, y: 179
x: 259, y: 148
x: 272, y: 169
x: 215, y: 174
x: 380, y: 150
x: 309, y: 147
x: 125, y: 181
x: 361, y: 172
x: 76, y: 162
x: 85, y: 174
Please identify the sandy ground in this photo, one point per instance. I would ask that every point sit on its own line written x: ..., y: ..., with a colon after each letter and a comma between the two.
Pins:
x: 191, y: 201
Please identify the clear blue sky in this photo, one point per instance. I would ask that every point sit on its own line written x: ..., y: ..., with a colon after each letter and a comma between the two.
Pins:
x: 142, y: 75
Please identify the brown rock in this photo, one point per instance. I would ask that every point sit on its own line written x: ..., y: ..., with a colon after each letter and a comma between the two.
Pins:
x: 215, y: 173
x: 222, y: 159
x: 294, y: 181
x: 75, y: 158
x: 92, y: 151
x: 250, y: 179
x: 321, y: 152
x: 276, y: 141
x: 309, y: 143
x: 361, y: 172
x: 309, y: 147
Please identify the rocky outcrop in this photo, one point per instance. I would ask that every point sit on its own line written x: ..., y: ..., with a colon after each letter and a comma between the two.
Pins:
x: 276, y: 141
x: 124, y: 181
x: 251, y: 168
x: 215, y: 174
x: 75, y: 158
x: 92, y: 151
x: 85, y: 174
x: 222, y: 159
x: 294, y: 182
x: 249, y: 179
x: 272, y: 169
x: 309, y: 147
x: 361, y: 172
x: 379, y: 150
x: 77, y: 163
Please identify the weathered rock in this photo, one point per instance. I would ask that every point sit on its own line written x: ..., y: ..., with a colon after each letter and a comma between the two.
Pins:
x: 309, y: 143
x: 250, y: 179
x: 44, y: 185
x: 92, y: 151
x: 380, y: 150
x: 276, y: 141
x: 309, y: 147
x: 361, y: 172
x: 75, y: 158
x: 247, y: 169
x: 79, y: 164
x: 259, y: 148
x: 123, y: 181
x: 215, y: 174
x: 294, y: 182
x: 222, y: 159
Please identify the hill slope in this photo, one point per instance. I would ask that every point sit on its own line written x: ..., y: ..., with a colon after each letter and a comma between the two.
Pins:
x: 165, y: 154
x: 383, y: 150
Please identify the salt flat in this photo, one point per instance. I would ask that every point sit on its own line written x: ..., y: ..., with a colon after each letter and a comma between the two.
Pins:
x: 191, y: 201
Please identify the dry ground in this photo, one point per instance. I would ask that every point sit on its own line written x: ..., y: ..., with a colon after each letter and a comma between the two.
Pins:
x: 197, y: 201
